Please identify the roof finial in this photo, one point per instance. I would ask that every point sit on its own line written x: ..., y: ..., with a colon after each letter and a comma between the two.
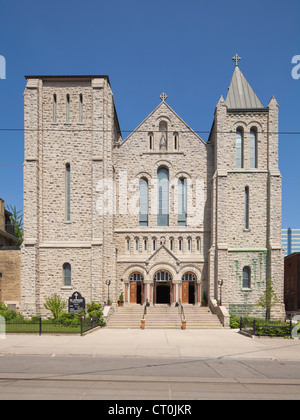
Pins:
x: 163, y: 96
x: 236, y: 58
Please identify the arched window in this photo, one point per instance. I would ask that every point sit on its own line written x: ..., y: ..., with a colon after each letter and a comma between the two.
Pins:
x: 180, y: 244
x: 54, y: 108
x: 163, y: 197
x: 239, y: 145
x: 188, y: 277
x: 145, y: 244
x: 137, y: 244
x: 154, y: 244
x: 127, y: 244
x: 162, y: 276
x: 136, y: 277
x: 68, y: 192
x: 246, y: 277
x: 68, y: 109
x: 81, y: 108
x: 189, y: 244
x: 246, y: 207
x: 176, y: 139
x: 182, y: 202
x: 67, y: 274
x: 143, y: 212
x: 198, y: 244
x: 151, y: 145
x: 163, y: 142
x: 253, y: 148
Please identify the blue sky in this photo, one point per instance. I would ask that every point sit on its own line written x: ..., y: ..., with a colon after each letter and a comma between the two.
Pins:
x: 183, y: 48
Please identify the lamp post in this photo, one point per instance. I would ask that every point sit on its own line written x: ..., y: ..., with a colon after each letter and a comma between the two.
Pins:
x: 220, y: 283
x: 108, y: 284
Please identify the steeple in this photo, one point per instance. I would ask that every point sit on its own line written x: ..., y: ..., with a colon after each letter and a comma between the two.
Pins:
x: 240, y: 94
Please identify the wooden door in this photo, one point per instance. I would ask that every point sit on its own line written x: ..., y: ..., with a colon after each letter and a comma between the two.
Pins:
x: 133, y: 289
x: 185, y: 292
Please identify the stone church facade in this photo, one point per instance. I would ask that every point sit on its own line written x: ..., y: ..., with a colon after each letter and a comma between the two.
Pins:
x: 161, y: 216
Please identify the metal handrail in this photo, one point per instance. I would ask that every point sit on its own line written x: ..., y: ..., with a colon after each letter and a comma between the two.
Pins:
x: 181, y: 311
x: 145, y: 309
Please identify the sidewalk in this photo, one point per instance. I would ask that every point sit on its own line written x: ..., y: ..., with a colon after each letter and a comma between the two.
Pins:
x: 210, y: 343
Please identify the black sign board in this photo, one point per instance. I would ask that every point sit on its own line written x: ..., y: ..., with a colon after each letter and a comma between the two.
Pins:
x: 76, y: 302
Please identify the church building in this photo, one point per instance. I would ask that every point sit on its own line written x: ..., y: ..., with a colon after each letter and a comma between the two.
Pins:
x: 160, y: 216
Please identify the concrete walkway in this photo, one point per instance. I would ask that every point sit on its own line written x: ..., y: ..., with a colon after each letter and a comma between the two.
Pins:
x: 210, y: 343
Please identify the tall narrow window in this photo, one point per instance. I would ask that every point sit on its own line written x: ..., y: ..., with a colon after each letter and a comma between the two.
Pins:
x: 175, y: 141
x: 253, y: 149
x: 247, y: 208
x: 182, y: 202
x: 68, y: 192
x: 239, y: 149
x: 143, y: 212
x: 54, y: 108
x: 81, y: 108
x: 163, y: 197
x: 67, y: 274
x: 246, y: 277
x: 68, y: 109
x: 150, y: 141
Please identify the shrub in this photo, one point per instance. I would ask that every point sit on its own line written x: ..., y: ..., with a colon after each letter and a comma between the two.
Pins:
x: 55, y: 304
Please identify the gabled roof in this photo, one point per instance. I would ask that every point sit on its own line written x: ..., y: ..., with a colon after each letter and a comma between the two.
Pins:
x: 240, y: 94
x: 161, y: 105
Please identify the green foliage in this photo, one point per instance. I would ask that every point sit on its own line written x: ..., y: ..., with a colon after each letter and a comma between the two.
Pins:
x: 95, y: 309
x: 121, y: 297
x: 16, y: 220
x: 268, y: 299
x: 55, y: 304
x: 234, y: 322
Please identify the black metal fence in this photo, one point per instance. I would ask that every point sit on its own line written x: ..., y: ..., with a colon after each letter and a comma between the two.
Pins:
x: 266, y: 328
x: 51, y: 327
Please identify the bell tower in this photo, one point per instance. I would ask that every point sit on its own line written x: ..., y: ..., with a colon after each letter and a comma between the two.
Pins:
x: 246, y: 201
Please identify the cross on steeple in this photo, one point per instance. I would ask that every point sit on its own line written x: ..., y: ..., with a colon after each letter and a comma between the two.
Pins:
x: 163, y: 97
x: 236, y: 58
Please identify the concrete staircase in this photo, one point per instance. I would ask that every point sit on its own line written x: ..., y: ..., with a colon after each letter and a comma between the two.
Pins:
x: 200, y: 317
x: 128, y: 316
x: 163, y: 317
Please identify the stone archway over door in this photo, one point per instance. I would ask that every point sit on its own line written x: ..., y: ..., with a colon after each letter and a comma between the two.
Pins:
x: 136, y: 289
x: 189, y: 288
x: 162, y: 288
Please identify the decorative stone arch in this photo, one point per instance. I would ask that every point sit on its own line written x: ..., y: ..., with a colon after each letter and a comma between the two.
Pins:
x: 189, y: 291
x: 134, y: 291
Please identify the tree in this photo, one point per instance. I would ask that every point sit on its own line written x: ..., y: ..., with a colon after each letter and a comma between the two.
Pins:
x: 268, y: 299
x: 16, y: 220
x: 55, y: 304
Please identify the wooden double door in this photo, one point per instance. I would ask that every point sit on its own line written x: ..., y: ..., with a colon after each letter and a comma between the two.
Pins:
x: 189, y: 292
x: 136, y: 292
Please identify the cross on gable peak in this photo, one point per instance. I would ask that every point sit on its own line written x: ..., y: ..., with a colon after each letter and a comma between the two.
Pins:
x: 163, y: 96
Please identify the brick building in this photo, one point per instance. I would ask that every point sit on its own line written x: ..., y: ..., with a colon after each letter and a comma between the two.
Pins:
x: 10, y: 264
x: 161, y: 215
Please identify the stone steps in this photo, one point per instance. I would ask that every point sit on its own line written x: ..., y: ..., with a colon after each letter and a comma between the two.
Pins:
x: 126, y: 317
x: 163, y: 317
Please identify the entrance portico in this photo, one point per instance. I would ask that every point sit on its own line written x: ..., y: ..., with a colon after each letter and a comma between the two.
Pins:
x: 162, y: 285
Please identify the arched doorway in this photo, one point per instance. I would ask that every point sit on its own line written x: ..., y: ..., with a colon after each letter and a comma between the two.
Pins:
x: 136, y: 291
x: 162, y: 288
x: 189, y: 287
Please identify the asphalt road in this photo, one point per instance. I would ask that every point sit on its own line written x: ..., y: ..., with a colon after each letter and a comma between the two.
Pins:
x: 133, y: 381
